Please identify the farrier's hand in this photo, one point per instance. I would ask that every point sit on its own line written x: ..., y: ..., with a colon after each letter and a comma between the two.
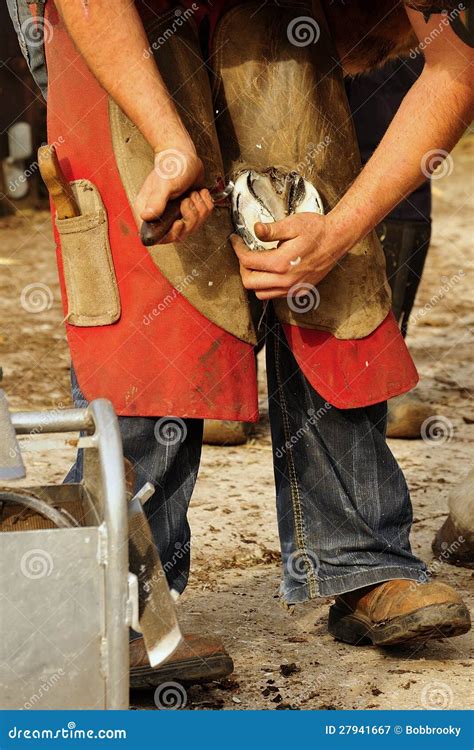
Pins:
x: 308, y: 250
x: 175, y: 171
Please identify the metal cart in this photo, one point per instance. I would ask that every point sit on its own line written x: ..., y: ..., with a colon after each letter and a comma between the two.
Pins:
x: 67, y: 598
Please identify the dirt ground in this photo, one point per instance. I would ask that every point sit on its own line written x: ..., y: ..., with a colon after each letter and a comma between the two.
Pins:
x: 235, y: 566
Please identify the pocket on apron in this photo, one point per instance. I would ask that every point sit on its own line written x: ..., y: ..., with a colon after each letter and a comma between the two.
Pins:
x: 91, y: 286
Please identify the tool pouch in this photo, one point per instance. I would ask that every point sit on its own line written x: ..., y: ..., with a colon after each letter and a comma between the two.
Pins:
x: 91, y: 287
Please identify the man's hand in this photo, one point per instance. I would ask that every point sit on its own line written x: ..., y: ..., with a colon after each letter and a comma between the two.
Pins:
x: 111, y: 38
x: 308, y: 250
x: 175, y: 171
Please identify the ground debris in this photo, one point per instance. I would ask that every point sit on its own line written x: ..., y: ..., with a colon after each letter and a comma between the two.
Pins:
x: 289, y: 669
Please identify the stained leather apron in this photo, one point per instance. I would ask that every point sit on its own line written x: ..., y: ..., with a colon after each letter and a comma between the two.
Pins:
x: 168, y: 331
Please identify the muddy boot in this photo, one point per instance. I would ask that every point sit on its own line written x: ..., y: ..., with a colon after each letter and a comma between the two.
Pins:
x: 223, y: 432
x: 197, y: 659
x: 406, y: 416
x: 454, y: 542
x: 398, y: 612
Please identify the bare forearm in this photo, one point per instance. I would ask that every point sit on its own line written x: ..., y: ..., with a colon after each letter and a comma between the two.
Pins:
x: 110, y: 37
x: 433, y: 116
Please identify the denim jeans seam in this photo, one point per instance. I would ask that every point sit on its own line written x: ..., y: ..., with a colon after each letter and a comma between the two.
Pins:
x: 300, y: 532
x: 368, y: 570
x: 379, y: 575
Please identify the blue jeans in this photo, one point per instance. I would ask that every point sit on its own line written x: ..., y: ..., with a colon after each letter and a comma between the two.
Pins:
x: 30, y: 40
x: 343, y: 506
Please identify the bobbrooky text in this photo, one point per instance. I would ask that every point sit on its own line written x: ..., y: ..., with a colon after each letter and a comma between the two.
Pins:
x: 430, y: 731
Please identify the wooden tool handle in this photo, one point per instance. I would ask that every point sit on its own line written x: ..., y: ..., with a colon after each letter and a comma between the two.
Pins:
x: 152, y: 232
x: 58, y: 187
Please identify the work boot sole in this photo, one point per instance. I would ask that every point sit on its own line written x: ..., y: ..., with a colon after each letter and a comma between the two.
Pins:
x: 433, y: 622
x: 189, y: 671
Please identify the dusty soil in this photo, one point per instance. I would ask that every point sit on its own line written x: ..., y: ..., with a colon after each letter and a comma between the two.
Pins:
x: 235, y: 568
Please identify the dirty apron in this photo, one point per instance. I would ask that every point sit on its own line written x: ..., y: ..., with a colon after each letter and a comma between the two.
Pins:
x: 167, y: 330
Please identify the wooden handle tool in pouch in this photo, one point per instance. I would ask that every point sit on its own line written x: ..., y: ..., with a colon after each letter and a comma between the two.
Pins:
x: 152, y: 232
x: 58, y: 187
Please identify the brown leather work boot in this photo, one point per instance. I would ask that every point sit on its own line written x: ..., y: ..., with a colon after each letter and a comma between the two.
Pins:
x: 197, y: 659
x: 406, y: 416
x: 396, y: 612
x: 223, y: 432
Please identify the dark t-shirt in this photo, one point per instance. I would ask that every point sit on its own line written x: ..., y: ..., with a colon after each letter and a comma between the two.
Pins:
x: 374, y: 99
